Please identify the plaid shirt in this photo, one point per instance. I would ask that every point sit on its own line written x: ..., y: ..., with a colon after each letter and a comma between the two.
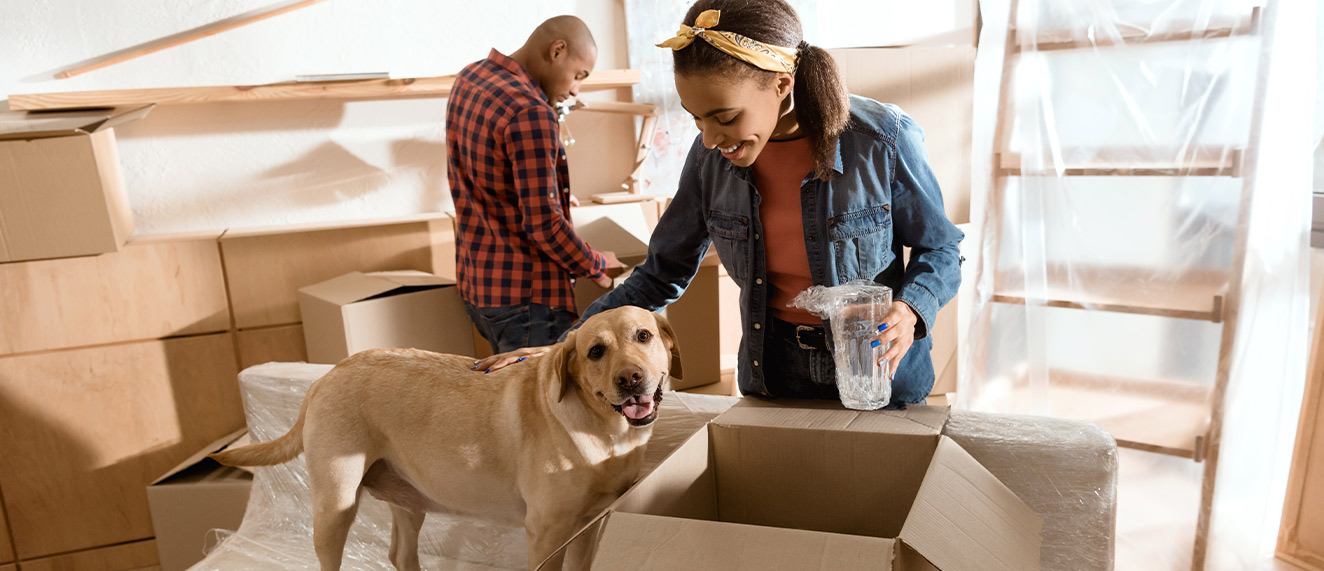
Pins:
x: 510, y: 181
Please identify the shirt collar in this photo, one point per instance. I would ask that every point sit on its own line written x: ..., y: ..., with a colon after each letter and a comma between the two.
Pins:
x: 509, y: 64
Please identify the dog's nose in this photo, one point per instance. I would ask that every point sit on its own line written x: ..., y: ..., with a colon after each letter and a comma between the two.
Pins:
x: 629, y: 377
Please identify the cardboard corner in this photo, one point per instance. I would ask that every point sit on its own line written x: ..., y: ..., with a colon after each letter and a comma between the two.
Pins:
x: 215, y: 446
x: 965, y: 519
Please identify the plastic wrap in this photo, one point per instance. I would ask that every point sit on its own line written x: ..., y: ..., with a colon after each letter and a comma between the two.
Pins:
x: 1140, y: 197
x: 277, y: 529
x: 853, y: 311
x: 1065, y: 470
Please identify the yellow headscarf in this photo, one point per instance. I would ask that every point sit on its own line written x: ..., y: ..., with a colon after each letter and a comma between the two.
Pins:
x: 763, y: 56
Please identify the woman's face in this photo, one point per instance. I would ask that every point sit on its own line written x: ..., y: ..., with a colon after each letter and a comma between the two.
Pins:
x: 738, y: 115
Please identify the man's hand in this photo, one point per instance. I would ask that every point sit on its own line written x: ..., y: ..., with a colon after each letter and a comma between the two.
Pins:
x: 614, y: 266
x: 498, y: 362
x: 574, y: 202
x: 614, y: 269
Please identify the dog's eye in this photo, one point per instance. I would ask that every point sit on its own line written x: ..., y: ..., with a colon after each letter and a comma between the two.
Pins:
x: 595, y: 352
x: 643, y: 335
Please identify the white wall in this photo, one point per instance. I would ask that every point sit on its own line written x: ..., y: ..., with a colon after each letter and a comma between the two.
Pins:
x: 196, y: 167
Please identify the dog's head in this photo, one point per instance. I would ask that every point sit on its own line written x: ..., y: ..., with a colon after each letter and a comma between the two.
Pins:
x: 621, y: 357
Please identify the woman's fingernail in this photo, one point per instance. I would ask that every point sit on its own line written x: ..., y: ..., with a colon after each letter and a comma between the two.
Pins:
x: 520, y: 359
x: 882, y: 327
x: 487, y: 371
x: 473, y: 368
x: 874, y: 343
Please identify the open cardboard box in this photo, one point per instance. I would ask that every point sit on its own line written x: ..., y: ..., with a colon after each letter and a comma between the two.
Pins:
x: 61, y: 188
x: 194, y: 498
x: 359, y: 311
x: 797, y: 485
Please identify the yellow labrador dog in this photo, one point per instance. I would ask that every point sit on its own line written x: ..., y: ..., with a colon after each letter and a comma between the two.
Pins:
x: 548, y: 443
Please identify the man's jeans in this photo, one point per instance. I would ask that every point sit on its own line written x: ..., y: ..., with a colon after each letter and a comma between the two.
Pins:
x: 515, y: 326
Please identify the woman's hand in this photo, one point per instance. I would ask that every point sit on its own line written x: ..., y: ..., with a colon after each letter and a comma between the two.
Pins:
x: 899, y: 330
x: 498, y: 362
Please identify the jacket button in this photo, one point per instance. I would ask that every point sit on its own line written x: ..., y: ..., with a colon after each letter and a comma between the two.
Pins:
x: 756, y: 363
x: 756, y: 236
x: 758, y: 281
x: 757, y: 326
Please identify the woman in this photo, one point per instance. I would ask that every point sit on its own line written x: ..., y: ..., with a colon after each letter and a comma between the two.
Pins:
x: 796, y: 183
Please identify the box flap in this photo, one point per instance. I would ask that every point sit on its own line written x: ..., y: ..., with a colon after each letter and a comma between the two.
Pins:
x: 43, y: 124
x: 635, y: 541
x: 830, y: 415
x: 617, y: 228
x: 412, y: 278
x: 964, y: 519
x: 215, y: 446
x: 358, y: 286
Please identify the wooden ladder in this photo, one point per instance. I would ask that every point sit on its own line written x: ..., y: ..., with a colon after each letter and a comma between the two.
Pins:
x: 1175, y: 417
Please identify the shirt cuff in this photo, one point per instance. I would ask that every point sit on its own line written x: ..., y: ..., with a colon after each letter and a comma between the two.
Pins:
x: 923, y: 303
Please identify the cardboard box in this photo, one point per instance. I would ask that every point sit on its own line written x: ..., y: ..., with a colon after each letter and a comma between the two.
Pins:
x: 809, y: 485
x: 192, y: 499
x: 61, y: 189
x: 406, y: 308
x: 623, y: 229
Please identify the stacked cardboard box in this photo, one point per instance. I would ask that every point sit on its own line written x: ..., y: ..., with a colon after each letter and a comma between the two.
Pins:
x: 115, y: 368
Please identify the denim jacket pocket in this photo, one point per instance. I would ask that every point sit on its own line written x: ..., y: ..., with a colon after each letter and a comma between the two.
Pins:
x: 861, y: 242
x: 730, y: 234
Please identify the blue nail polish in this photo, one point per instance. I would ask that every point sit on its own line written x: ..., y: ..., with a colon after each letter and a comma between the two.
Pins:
x: 874, y: 343
x: 487, y: 371
x: 520, y: 359
x: 882, y: 327
x: 473, y: 368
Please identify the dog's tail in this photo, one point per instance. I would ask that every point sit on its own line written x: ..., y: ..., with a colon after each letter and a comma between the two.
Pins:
x: 272, y: 452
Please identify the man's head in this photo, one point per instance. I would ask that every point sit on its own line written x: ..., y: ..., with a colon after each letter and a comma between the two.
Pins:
x: 559, y: 55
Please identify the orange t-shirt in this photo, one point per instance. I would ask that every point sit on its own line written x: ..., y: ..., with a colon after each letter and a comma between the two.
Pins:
x: 778, y: 173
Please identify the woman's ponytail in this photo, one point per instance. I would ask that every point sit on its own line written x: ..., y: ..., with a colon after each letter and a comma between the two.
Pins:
x: 822, y: 105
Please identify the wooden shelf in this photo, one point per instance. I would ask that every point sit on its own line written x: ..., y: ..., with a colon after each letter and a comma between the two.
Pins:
x: 354, y: 89
x: 1163, y: 416
x: 1195, y: 295
x: 1139, y: 161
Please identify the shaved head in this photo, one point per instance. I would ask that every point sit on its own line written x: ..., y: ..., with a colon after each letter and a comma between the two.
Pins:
x: 559, y: 55
x: 569, y: 29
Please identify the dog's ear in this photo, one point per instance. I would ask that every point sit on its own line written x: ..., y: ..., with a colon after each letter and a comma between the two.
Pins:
x: 562, y: 360
x: 670, y: 337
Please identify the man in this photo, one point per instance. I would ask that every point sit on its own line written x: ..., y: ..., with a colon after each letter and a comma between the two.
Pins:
x: 516, y: 250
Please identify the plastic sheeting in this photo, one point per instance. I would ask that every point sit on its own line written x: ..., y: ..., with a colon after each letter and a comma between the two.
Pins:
x: 277, y: 529
x: 1140, y: 189
x: 1065, y: 470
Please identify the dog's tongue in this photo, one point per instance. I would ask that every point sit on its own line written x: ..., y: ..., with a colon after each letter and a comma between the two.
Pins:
x: 638, y: 407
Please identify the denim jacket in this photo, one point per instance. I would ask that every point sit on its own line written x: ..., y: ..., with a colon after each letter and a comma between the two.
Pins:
x: 884, y: 196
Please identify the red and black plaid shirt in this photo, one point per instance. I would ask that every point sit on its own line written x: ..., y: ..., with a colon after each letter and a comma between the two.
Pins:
x: 510, y: 181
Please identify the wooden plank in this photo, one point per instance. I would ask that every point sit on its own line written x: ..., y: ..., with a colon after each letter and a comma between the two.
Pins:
x: 282, y: 344
x: 265, y: 269
x: 185, y: 37
x: 1301, y: 535
x: 1197, y: 294
x: 1128, y: 161
x: 288, y: 91
x: 148, y: 290
x: 1158, y: 415
x: 136, y: 555
x: 84, y: 431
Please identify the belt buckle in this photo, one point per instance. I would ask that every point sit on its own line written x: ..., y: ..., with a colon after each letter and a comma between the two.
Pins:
x: 798, y: 330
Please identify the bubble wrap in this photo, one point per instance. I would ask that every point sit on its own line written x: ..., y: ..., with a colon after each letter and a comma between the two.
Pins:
x: 1065, y: 470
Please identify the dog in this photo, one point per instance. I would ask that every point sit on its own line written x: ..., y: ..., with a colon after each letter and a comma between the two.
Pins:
x: 547, y: 443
